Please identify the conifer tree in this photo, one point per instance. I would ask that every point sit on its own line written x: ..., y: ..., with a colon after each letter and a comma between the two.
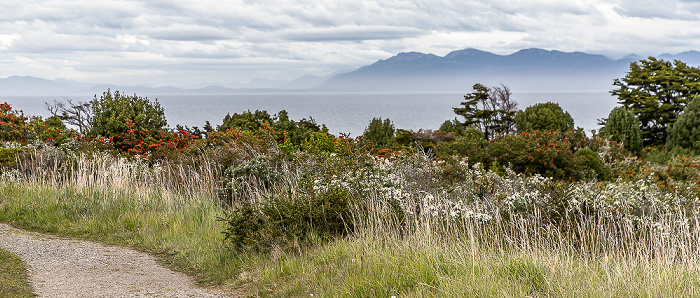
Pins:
x: 623, y: 126
x: 685, y: 132
x: 656, y: 92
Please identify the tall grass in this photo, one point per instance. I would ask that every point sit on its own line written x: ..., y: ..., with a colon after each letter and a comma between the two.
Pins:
x: 170, y: 209
x: 420, y: 227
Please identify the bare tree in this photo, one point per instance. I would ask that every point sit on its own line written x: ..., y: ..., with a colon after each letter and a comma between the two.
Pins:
x: 499, y: 100
x: 79, y: 114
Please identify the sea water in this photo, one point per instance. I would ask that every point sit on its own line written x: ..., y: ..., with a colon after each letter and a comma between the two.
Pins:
x: 347, y: 113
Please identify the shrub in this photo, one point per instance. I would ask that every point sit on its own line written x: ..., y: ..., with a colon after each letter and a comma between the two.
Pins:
x: 380, y: 133
x: 242, y: 180
x: 547, y: 116
x: 623, y: 126
x: 116, y: 115
x: 547, y: 153
x: 246, y: 121
x: 287, y: 221
x: 10, y: 156
x: 685, y: 132
x: 13, y: 125
x: 588, y: 165
x: 320, y: 142
x: 452, y: 126
x: 471, y: 145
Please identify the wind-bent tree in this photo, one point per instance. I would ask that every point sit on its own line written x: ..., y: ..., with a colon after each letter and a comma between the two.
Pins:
x: 656, y: 92
x: 490, y: 109
x: 77, y: 114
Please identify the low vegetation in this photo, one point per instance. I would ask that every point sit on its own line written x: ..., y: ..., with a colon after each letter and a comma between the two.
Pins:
x: 275, y: 207
x: 13, y: 276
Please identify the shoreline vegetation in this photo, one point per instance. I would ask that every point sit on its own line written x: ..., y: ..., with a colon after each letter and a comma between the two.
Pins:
x: 501, y: 202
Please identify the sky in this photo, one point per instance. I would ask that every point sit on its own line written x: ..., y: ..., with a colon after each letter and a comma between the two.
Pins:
x: 190, y: 43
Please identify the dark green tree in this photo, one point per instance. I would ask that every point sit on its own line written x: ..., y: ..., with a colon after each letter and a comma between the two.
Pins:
x: 380, y: 133
x: 469, y: 107
x: 111, y: 112
x: 246, y: 121
x: 685, y: 132
x: 490, y: 109
x: 547, y: 116
x: 656, y: 92
x: 622, y: 126
x: 452, y: 126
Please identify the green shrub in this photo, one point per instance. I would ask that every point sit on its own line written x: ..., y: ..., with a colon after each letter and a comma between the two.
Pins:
x: 287, y: 221
x: 547, y: 116
x: 656, y: 155
x: 452, y: 126
x: 548, y: 153
x: 685, y: 132
x: 320, y: 142
x: 10, y: 156
x: 246, y: 121
x: 471, y: 145
x: 118, y: 116
x: 588, y: 165
x: 380, y: 133
x: 623, y: 126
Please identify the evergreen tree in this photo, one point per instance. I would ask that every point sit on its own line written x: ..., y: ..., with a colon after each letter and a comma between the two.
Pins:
x: 656, y: 92
x: 685, y: 132
x: 623, y: 126
x: 470, y: 104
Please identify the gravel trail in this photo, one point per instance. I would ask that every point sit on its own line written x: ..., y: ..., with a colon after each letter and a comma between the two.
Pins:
x: 75, y: 268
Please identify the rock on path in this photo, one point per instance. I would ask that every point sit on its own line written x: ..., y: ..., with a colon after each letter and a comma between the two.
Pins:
x: 74, y: 268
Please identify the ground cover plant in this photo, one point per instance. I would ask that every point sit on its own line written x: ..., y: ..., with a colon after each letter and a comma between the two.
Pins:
x: 264, y: 205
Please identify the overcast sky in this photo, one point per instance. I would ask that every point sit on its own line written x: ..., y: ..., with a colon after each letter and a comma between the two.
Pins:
x: 197, y: 42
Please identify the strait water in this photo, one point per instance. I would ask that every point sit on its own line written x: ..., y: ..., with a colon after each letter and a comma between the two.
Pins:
x: 341, y: 112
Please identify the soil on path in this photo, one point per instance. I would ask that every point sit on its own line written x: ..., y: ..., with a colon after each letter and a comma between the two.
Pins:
x: 75, y: 268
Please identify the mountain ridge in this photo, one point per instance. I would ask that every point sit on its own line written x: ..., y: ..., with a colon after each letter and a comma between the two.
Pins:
x: 531, y: 69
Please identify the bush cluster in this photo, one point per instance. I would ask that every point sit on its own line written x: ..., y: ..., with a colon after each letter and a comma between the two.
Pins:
x: 286, y: 183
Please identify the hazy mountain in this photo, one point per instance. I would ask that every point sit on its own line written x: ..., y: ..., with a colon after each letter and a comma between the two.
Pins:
x: 21, y: 85
x: 689, y: 57
x: 525, y: 70
x: 304, y: 82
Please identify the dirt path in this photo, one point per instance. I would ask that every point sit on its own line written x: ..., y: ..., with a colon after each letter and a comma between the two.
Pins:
x: 73, y: 268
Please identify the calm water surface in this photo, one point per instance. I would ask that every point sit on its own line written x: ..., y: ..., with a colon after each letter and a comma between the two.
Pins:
x: 341, y: 112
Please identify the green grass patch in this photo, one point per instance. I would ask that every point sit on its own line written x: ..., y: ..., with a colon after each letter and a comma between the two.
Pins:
x: 13, y: 276
x: 365, y: 267
x: 183, y: 230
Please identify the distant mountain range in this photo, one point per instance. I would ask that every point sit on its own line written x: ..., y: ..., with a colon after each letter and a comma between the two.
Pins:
x: 525, y: 70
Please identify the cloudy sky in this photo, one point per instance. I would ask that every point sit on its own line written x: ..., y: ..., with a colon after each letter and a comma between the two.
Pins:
x: 197, y: 42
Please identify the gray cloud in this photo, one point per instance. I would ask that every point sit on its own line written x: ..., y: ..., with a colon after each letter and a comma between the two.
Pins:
x: 172, y: 41
x: 351, y: 33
